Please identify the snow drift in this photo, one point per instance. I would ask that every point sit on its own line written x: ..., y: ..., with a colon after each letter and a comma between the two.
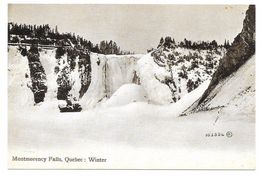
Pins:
x: 127, y: 93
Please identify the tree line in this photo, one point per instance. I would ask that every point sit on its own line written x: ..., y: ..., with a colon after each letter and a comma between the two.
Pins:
x: 45, y: 35
x: 200, y: 45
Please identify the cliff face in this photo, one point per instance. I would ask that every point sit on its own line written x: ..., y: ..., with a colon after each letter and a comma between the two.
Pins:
x: 171, y: 71
x: 38, y: 80
x: 240, y: 51
x: 73, y: 71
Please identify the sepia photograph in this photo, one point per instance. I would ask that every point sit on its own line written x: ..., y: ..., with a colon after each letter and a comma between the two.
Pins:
x: 131, y: 86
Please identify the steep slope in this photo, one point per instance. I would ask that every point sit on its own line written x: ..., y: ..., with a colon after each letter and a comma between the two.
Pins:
x: 234, y: 96
x: 240, y: 51
x: 169, y: 73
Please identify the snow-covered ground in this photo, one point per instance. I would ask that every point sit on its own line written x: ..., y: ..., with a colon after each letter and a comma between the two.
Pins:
x: 126, y: 129
x: 126, y: 94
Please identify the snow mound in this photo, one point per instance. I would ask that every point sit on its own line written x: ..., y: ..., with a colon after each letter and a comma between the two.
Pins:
x: 157, y: 92
x: 126, y: 94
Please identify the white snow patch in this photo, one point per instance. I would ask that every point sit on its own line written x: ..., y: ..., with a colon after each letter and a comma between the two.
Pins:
x: 126, y: 94
x: 158, y: 93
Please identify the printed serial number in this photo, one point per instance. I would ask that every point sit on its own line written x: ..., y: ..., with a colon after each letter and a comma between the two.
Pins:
x: 228, y: 134
x: 214, y: 134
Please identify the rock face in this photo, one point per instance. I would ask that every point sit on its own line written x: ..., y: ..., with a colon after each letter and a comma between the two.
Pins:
x: 74, y: 75
x: 171, y: 71
x: 73, y: 72
x: 240, y: 51
x: 37, y: 74
x: 85, y: 72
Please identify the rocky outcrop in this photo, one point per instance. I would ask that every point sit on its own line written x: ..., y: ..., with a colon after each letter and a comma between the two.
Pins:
x: 63, y: 71
x: 240, y: 51
x: 37, y: 74
x: 70, y: 61
x: 174, y: 70
x: 85, y: 72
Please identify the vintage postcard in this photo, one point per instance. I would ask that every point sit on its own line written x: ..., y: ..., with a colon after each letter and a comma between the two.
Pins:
x: 133, y: 86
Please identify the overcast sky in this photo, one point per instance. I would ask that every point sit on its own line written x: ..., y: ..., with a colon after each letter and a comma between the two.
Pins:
x: 136, y: 27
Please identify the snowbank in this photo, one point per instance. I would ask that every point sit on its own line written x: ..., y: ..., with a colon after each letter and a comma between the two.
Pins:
x: 126, y: 94
x: 158, y: 93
